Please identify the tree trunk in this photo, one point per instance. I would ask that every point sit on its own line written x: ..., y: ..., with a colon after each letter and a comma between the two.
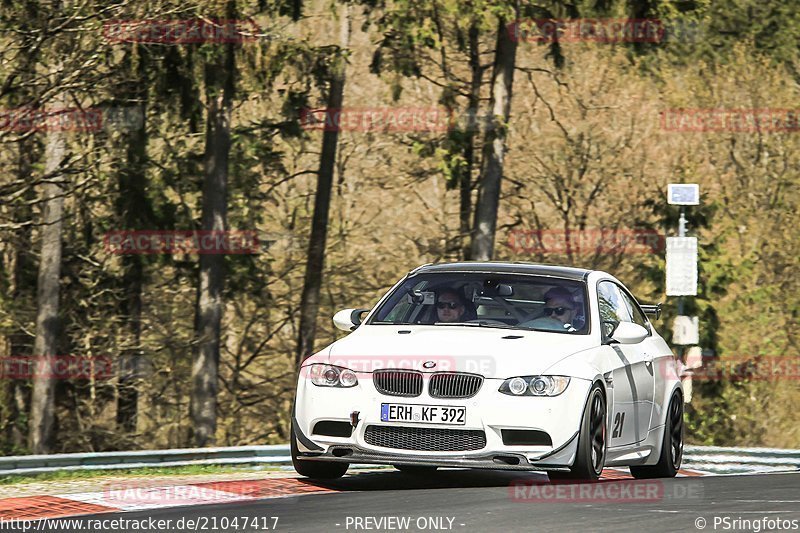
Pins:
x: 465, y: 185
x: 309, y: 303
x: 135, y: 213
x: 494, y: 145
x: 16, y: 391
x: 219, y: 79
x: 127, y: 387
x: 40, y: 428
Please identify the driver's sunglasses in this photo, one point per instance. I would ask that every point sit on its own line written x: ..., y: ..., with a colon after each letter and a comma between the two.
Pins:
x: 556, y: 310
x: 448, y: 305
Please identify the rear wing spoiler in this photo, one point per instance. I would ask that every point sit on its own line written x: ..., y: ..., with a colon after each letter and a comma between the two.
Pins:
x: 653, y: 310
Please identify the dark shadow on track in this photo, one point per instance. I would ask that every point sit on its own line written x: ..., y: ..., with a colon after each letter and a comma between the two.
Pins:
x: 440, y: 479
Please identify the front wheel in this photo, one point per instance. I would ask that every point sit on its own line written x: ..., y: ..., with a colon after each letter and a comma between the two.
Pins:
x: 671, y: 445
x: 591, y: 455
x: 315, y: 469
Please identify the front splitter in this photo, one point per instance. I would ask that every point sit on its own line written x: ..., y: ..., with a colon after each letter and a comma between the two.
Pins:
x: 495, y: 461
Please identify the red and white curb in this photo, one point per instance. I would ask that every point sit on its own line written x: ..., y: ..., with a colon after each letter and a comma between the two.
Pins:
x: 124, y: 496
x: 132, y: 496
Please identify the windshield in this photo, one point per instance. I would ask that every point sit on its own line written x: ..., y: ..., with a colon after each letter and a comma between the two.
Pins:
x: 487, y: 300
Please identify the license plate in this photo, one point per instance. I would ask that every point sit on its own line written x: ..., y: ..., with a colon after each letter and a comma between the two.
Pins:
x: 428, y: 414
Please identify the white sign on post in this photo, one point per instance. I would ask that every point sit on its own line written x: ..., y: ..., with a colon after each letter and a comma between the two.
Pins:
x: 694, y: 355
x: 681, y: 266
x: 683, y: 194
x: 686, y: 330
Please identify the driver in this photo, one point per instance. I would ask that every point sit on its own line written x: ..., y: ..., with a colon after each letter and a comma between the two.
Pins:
x: 559, y: 311
x: 451, y: 306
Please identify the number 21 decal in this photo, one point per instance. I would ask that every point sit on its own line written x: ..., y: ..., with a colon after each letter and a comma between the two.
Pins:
x: 619, y: 420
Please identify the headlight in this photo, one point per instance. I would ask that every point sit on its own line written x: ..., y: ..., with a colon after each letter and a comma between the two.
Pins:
x: 348, y: 378
x: 517, y: 386
x: 332, y: 376
x: 535, y: 385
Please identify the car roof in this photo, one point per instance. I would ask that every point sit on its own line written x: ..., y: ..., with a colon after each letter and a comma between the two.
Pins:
x: 507, y: 267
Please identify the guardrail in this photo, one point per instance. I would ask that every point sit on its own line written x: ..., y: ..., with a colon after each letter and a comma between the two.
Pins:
x: 727, y: 460
x: 232, y: 455
x: 712, y: 459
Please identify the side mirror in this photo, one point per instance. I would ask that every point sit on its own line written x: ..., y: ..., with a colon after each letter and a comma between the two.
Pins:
x: 629, y: 333
x: 348, y: 319
x: 652, y: 310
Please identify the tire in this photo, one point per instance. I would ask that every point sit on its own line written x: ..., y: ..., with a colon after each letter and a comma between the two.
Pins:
x: 315, y: 469
x: 671, y: 445
x: 592, y: 442
x: 416, y: 470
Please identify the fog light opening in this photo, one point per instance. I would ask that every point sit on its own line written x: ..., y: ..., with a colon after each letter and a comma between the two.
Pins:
x: 506, y: 459
x: 341, y: 452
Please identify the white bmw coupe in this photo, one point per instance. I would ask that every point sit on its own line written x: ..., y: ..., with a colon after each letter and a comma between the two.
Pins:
x: 509, y: 366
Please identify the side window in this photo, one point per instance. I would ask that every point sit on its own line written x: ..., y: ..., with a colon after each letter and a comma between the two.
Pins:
x: 636, y: 313
x: 398, y: 307
x: 613, y: 309
x: 399, y: 312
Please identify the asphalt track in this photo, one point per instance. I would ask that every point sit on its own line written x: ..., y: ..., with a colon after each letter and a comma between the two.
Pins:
x: 464, y: 500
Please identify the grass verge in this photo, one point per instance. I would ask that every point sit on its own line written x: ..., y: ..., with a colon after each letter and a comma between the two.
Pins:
x: 69, y: 475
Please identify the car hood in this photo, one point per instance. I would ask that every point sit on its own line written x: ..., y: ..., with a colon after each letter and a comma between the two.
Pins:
x: 491, y: 352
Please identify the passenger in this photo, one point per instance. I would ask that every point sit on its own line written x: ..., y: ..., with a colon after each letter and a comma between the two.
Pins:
x: 559, y: 311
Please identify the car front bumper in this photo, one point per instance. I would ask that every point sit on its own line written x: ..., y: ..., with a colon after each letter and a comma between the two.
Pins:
x: 489, y: 411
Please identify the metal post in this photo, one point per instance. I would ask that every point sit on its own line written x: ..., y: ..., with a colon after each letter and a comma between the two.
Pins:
x: 683, y: 194
x: 681, y: 233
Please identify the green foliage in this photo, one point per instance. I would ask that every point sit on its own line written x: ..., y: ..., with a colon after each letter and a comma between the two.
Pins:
x: 735, y: 412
